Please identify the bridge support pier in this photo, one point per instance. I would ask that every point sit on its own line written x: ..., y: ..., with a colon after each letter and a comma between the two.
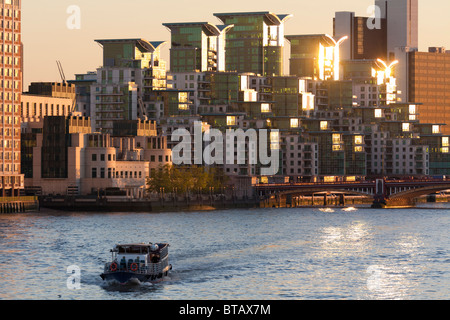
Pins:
x: 342, y: 199
x: 395, y: 202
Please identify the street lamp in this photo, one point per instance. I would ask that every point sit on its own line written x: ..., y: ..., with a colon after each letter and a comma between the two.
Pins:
x: 337, y: 58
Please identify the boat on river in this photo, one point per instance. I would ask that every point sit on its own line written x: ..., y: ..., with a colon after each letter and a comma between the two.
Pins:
x: 139, y: 262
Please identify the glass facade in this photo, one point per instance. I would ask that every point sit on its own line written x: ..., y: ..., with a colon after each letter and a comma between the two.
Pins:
x: 255, y: 43
x: 224, y: 88
x: 286, y: 96
x: 185, y: 52
x: 197, y: 46
x: 311, y: 56
x: 331, y: 160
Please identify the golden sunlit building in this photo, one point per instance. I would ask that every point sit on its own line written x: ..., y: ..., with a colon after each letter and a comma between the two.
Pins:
x: 429, y: 83
x: 11, y: 181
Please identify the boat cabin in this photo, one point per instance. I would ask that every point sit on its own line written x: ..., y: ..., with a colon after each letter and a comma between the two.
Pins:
x: 141, y: 254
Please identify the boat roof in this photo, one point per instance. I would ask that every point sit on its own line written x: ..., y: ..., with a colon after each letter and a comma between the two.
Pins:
x: 137, y: 244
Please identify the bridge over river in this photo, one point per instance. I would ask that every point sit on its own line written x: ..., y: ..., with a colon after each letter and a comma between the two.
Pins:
x: 384, y: 192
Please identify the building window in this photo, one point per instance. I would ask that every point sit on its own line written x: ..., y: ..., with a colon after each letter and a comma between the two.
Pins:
x: 265, y: 107
x: 294, y: 123
x: 445, y: 144
x: 337, y: 142
x: 274, y: 140
x: 323, y: 125
x: 94, y: 157
x: 378, y: 113
x: 358, y: 139
x: 336, y: 137
x: 435, y: 129
x: 231, y: 121
x: 405, y: 127
x: 94, y: 172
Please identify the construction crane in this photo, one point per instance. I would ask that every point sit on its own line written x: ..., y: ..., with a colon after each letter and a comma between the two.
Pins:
x: 142, y: 109
x: 63, y: 78
x: 61, y: 71
x: 74, y: 104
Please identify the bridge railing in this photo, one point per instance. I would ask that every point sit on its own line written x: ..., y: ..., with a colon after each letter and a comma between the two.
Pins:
x: 360, y: 182
x: 313, y: 183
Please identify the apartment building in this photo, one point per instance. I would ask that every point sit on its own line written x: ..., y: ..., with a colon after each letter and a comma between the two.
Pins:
x: 429, y: 84
x: 197, y: 46
x: 11, y: 62
x: 256, y: 42
x: 132, y: 69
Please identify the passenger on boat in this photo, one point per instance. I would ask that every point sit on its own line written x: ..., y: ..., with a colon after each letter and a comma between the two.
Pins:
x: 123, y: 263
x: 154, y: 258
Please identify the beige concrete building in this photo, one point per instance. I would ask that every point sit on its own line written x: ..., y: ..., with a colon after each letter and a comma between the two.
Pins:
x: 66, y: 158
x: 36, y: 107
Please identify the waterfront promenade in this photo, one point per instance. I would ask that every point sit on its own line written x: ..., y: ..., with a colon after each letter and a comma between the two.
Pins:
x: 206, y: 202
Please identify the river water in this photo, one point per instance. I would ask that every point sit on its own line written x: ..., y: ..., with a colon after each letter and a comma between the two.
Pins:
x: 267, y: 254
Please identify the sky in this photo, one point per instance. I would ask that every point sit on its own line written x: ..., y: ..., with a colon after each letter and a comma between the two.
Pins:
x: 47, y: 38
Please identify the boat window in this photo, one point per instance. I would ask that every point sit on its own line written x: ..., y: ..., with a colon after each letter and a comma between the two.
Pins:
x: 123, y: 250
x: 134, y: 249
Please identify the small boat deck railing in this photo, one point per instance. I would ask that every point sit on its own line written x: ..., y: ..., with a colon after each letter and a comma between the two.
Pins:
x: 164, y: 251
x: 139, y: 267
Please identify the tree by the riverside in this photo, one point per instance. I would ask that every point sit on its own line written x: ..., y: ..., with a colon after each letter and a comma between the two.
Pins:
x: 182, y: 179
